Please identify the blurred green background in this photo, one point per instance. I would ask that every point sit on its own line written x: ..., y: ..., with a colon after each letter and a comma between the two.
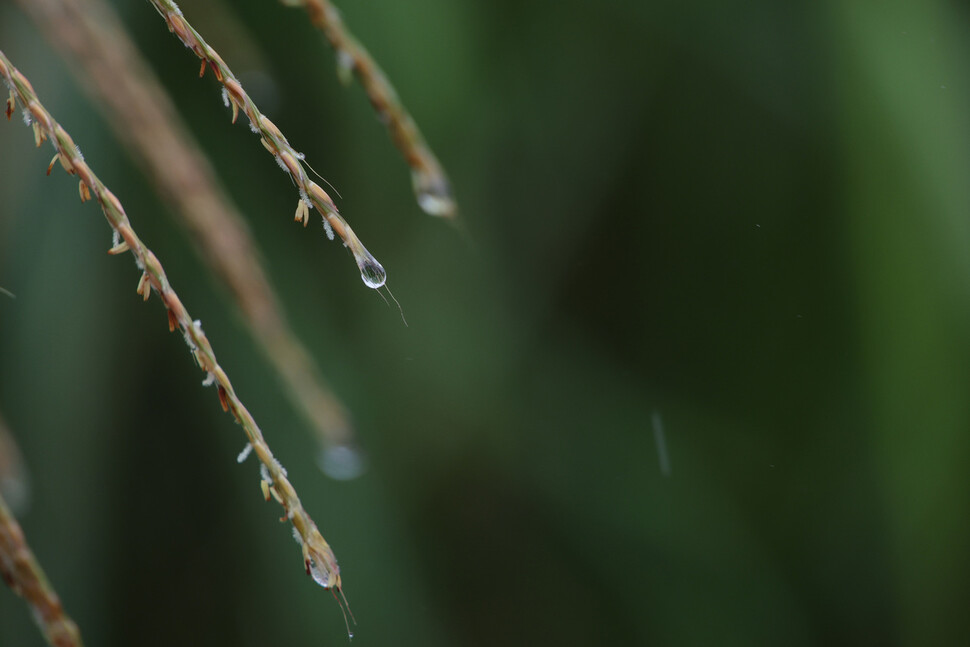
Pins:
x: 749, y: 221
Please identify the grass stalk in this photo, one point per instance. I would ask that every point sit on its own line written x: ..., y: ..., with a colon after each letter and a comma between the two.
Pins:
x: 318, y: 558
x: 22, y: 573
x: 289, y: 159
x: 112, y: 70
x: 431, y: 185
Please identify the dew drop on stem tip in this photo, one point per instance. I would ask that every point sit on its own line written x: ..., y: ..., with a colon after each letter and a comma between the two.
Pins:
x: 371, y: 272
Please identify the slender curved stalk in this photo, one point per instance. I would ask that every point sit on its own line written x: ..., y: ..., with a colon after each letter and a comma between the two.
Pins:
x: 431, y: 186
x: 23, y: 574
x: 289, y: 159
x: 142, y: 114
x: 318, y: 558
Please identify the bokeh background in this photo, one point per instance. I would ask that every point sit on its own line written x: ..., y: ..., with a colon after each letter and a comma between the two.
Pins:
x: 745, y: 224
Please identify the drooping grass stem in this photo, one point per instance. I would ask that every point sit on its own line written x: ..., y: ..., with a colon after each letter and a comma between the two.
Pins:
x: 289, y: 159
x: 142, y: 114
x: 431, y: 185
x: 318, y: 558
x: 23, y: 574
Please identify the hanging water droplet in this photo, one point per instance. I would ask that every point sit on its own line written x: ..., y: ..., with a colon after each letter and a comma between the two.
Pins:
x: 371, y: 272
x: 319, y: 576
x: 341, y: 462
x: 436, y: 205
x: 433, y: 193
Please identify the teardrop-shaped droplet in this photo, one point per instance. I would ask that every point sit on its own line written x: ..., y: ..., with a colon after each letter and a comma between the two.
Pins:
x: 319, y: 576
x: 433, y: 193
x: 371, y: 272
x: 436, y: 205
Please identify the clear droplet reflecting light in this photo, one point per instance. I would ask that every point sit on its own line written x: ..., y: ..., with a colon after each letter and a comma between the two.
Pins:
x: 318, y: 575
x: 371, y: 272
x: 436, y: 205
x: 434, y: 193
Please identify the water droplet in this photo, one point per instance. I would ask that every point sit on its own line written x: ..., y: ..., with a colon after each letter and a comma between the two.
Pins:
x: 371, y: 272
x: 341, y: 462
x: 319, y: 576
x: 436, y: 205
x: 434, y: 193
